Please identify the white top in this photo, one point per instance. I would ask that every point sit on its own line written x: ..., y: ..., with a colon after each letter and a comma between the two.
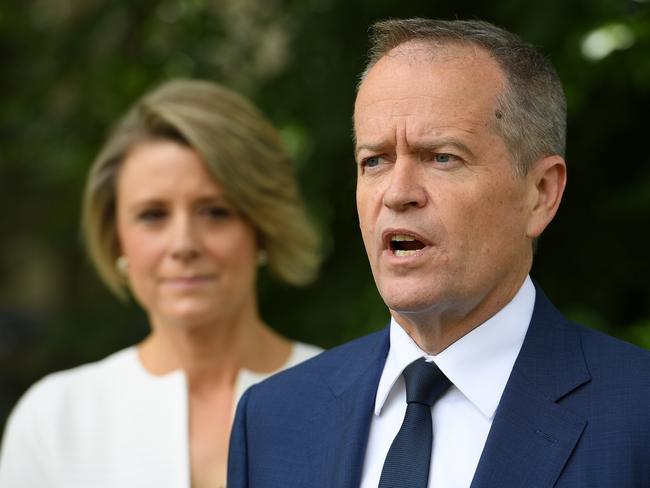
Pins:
x: 478, y: 365
x: 107, y: 424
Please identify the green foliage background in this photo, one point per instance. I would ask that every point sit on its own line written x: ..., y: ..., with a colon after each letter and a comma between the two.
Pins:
x: 71, y: 67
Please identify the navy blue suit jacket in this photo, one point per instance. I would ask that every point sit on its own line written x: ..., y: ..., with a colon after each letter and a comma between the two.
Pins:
x: 575, y: 413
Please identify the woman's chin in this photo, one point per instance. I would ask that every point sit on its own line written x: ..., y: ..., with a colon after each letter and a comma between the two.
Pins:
x: 189, y: 317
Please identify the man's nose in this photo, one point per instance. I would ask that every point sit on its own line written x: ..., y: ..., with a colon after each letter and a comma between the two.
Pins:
x: 405, y: 187
x: 184, y: 243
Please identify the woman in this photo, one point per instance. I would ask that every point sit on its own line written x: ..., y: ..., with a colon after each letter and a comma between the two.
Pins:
x: 192, y: 192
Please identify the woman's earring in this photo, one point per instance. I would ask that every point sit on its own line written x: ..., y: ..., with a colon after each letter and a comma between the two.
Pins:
x: 122, y: 265
x: 262, y: 257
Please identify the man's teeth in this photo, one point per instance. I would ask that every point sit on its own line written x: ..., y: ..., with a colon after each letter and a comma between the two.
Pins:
x: 402, y: 238
x: 402, y: 253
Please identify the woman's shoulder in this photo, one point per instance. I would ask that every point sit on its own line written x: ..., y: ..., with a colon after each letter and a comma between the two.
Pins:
x: 75, y: 424
x: 60, y: 390
x: 58, y: 410
x: 88, y: 372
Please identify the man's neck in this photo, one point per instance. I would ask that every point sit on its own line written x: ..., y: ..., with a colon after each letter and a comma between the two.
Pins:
x: 438, y: 327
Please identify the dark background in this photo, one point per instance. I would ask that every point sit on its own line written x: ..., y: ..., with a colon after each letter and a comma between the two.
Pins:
x: 70, y: 68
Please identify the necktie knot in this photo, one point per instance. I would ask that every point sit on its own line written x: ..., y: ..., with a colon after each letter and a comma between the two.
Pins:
x: 425, y: 383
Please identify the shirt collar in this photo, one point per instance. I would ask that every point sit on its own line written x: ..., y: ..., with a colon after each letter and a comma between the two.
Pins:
x: 478, y: 364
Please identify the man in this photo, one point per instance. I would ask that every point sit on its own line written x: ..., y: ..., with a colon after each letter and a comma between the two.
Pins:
x: 460, y: 134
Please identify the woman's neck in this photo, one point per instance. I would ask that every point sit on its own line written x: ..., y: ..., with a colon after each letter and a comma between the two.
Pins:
x: 212, y: 354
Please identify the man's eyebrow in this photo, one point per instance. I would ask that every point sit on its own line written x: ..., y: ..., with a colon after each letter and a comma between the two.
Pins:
x: 438, y: 142
x: 430, y: 145
x: 369, y: 147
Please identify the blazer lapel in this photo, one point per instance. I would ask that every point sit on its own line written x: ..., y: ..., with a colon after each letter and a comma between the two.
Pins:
x: 532, y: 435
x: 341, y: 428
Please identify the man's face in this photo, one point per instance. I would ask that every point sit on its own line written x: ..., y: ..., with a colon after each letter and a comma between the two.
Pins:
x: 442, y: 212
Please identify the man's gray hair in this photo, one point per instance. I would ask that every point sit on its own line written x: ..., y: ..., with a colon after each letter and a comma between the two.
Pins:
x: 531, y: 110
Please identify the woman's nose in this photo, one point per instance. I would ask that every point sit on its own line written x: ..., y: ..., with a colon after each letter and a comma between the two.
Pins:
x: 184, y: 243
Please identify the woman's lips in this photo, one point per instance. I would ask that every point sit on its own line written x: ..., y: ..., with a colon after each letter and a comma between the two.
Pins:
x: 188, y: 281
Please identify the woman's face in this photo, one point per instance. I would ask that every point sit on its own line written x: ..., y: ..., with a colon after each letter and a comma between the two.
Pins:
x: 191, y: 255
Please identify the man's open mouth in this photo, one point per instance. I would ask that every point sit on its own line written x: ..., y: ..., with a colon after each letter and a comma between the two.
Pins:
x: 403, y: 245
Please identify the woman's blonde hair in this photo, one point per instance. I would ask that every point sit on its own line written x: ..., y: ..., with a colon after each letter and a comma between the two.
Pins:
x: 240, y: 148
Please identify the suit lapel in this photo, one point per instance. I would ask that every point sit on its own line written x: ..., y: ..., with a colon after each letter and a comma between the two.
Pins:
x: 341, y: 427
x: 532, y: 435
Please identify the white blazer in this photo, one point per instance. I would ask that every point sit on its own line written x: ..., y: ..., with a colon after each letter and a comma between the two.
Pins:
x: 107, y: 424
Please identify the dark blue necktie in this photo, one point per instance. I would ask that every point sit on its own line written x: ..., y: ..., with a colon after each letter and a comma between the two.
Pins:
x: 408, y: 459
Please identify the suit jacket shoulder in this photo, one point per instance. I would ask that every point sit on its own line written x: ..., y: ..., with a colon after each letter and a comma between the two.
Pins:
x: 308, y: 425
x: 574, y: 412
x: 333, y: 369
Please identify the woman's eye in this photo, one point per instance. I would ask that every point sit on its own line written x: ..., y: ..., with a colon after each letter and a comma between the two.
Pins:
x: 151, y: 215
x: 218, y: 212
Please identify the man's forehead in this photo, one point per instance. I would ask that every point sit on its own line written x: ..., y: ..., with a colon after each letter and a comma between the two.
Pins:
x: 435, y: 51
x: 456, y: 78
x: 453, y: 63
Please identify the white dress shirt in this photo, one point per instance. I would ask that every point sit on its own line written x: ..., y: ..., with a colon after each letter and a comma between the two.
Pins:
x: 478, y: 365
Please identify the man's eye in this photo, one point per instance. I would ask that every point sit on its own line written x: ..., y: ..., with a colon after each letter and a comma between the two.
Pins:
x: 371, y: 162
x: 443, y: 158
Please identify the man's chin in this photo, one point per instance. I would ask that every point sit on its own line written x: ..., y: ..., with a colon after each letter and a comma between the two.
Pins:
x: 405, y: 303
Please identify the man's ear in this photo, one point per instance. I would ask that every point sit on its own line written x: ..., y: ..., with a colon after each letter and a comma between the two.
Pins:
x: 547, y: 179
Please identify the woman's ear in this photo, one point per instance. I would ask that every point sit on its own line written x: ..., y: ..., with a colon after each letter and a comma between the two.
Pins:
x: 547, y: 179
